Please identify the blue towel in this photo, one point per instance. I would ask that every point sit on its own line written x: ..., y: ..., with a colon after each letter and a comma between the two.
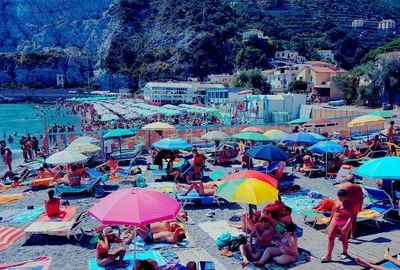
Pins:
x: 141, y: 245
x: 7, y: 215
x: 390, y: 265
x: 154, y: 255
x: 28, y: 215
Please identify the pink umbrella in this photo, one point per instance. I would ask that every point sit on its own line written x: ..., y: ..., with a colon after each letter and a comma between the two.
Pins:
x: 135, y: 206
x: 252, y: 129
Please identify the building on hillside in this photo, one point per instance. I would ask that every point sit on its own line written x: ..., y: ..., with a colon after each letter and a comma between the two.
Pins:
x: 253, y: 32
x: 287, y: 57
x: 170, y: 92
x: 327, y: 55
x: 357, y: 23
x: 219, y: 78
x: 319, y: 77
x: 387, y: 24
x: 280, y: 77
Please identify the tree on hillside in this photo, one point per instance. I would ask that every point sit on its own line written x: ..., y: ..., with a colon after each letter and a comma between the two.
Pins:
x: 254, y: 79
x: 297, y: 86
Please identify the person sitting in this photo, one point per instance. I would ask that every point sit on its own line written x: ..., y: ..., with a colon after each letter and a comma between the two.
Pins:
x: 74, y: 177
x: 307, y: 161
x: 42, y: 174
x: 357, y: 153
x: 16, y: 182
x: 112, y: 164
x: 105, y: 258
x: 334, y: 165
x: 247, y: 161
x: 375, y: 144
x: 392, y: 152
x: 148, y: 264
x: 150, y: 237
x: 386, y: 256
x: 263, y: 234
x: 247, y: 221
x: 204, y: 189
x: 285, y: 251
x: 171, y: 171
x: 52, y: 205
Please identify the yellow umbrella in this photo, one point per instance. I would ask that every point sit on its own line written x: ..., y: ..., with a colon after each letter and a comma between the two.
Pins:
x: 83, y: 147
x: 158, y: 126
x: 365, y: 120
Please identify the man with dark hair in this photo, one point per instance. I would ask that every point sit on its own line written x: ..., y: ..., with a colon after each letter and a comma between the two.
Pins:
x: 74, y: 177
x: 52, y: 205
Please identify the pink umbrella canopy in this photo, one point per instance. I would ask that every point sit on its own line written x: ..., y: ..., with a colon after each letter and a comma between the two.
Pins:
x: 252, y: 129
x: 135, y: 206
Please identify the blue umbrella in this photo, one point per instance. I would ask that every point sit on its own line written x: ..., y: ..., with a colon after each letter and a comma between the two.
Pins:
x: 268, y: 152
x: 326, y: 147
x: 381, y: 168
x: 172, y: 144
x: 302, y: 138
x: 319, y: 137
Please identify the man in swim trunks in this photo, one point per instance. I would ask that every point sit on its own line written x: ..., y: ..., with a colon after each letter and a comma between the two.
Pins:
x: 105, y: 258
x: 356, y: 196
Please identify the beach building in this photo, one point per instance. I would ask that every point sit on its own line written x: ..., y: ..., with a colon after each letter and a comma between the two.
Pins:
x: 357, y: 23
x: 170, y: 92
x: 220, y: 78
x: 319, y: 77
x: 327, y: 55
x: 280, y: 77
x: 287, y: 58
x: 387, y: 24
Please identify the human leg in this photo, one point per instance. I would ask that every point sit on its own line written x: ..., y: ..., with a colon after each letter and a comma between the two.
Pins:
x: 366, y: 264
x: 285, y: 259
x: 345, y: 242
x: 268, y: 253
x: 331, y: 233
x: 119, y: 253
x: 110, y: 260
x: 191, y: 187
x: 244, y: 250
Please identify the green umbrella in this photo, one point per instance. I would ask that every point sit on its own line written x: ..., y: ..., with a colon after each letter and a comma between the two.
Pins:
x: 109, y: 117
x: 118, y: 134
x: 384, y: 114
x: 250, y: 136
x: 299, y: 121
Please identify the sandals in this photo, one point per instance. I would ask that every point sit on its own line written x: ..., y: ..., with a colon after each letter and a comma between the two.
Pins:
x: 325, y: 260
x: 343, y: 256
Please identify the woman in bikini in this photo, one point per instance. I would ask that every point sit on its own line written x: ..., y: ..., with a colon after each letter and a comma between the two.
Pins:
x: 285, y: 251
x: 105, y: 258
x: 340, y: 221
x: 204, y: 189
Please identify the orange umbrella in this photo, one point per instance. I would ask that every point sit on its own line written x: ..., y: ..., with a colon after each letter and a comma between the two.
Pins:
x: 253, y: 174
x: 252, y: 129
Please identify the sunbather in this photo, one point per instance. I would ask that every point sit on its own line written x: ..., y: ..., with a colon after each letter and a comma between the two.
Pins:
x: 74, y: 177
x: 111, y: 163
x: 386, y: 256
x: 263, y: 234
x: 52, y: 205
x: 171, y: 171
x: 150, y: 237
x: 105, y: 258
x: 204, y: 189
x: 146, y: 265
x: 285, y: 251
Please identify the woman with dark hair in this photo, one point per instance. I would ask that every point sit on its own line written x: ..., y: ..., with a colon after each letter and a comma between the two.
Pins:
x: 285, y: 251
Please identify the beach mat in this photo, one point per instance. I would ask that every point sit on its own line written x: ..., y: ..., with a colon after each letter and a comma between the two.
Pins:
x: 142, y: 246
x: 299, y: 201
x: 12, y: 197
x: 28, y: 215
x: 199, y: 254
x: 162, y: 187
x: 216, y: 228
x: 129, y: 259
x: 8, y: 235
x: 7, y: 215
x: 40, y: 263
x: 66, y: 213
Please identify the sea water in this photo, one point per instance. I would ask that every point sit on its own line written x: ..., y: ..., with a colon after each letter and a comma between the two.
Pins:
x: 30, y: 118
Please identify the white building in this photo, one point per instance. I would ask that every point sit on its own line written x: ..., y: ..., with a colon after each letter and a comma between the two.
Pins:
x: 253, y: 32
x: 287, y: 57
x: 280, y: 77
x: 170, y: 92
x: 387, y: 24
x: 357, y: 23
x: 219, y: 78
x: 327, y: 55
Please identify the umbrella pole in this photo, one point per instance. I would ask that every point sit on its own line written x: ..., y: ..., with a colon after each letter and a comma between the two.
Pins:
x: 326, y: 165
x: 134, y: 250
x: 120, y: 146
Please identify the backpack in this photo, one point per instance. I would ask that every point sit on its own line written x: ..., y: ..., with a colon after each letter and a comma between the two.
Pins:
x: 223, y: 240
x: 236, y: 241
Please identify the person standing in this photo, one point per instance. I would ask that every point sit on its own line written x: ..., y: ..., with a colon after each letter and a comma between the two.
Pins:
x: 108, y: 149
x: 356, y: 196
x: 7, y: 158
x: 391, y: 132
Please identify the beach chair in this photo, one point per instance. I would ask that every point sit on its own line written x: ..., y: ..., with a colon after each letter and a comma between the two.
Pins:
x: 42, y: 182
x: 278, y: 173
x: 365, y: 158
x: 309, y: 172
x: 59, y: 228
x: 194, y: 197
x: 89, y: 187
x: 9, y: 235
x: 273, y: 166
x: 125, y: 173
x: 217, y: 175
x: 341, y: 175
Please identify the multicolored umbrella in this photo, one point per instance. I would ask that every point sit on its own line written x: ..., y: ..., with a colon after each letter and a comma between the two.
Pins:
x: 365, y: 120
x: 66, y: 157
x: 250, y: 136
x: 276, y: 135
x: 252, y: 174
x: 381, y: 168
x: 247, y: 190
x: 268, y: 152
x: 253, y: 130
x: 82, y: 147
x: 216, y: 136
x: 301, y: 138
x: 172, y: 144
x: 158, y: 126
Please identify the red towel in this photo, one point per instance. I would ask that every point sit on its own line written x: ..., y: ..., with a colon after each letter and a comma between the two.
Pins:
x: 8, y: 235
x: 66, y: 213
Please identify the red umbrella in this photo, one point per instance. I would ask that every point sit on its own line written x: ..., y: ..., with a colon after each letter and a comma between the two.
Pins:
x: 253, y: 174
x: 252, y: 129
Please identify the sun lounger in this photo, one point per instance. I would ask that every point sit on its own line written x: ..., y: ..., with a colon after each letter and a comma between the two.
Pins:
x: 129, y: 154
x: 341, y: 175
x: 196, y: 197
x: 58, y: 228
x: 175, y: 165
x: 367, y: 157
x: 42, y: 182
x: 379, y: 196
x: 9, y: 235
x: 159, y: 173
x: 310, y: 171
x: 65, y: 214
x: 278, y: 173
x: 129, y: 259
x: 61, y: 189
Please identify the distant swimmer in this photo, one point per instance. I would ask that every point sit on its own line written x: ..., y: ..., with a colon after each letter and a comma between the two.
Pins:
x: 10, y: 139
x: 15, y: 133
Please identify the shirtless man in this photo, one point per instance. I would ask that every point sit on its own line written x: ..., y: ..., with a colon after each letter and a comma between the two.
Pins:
x: 263, y: 234
x: 105, y: 258
x: 204, y: 189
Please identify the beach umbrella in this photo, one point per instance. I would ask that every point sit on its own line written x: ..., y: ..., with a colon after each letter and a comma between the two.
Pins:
x: 252, y: 174
x: 276, y: 135
x: 301, y: 138
x: 319, y: 137
x: 136, y: 207
x: 299, y: 121
x: 381, y: 168
x: 119, y: 133
x: 159, y: 126
x: 247, y: 190
x: 326, y: 147
x: 252, y: 129
x: 365, y: 120
x: 216, y: 136
x: 83, y: 147
x: 66, y: 157
x: 250, y: 136
x: 109, y: 117
x: 384, y: 114
x: 85, y: 139
x: 172, y: 144
x: 268, y: 152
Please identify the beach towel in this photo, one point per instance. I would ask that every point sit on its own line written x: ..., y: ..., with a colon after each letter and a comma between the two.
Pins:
x: 66, y: 213
x: 141, y: 245
x: 299, y: 201
x: 7, y: 215
x: 368, y: 213
x: 40, y: 263
x: 216, y: 228
x: 129, y: 259
x: 11, y: 197
x: 8, y: 235
x: 28, y: 215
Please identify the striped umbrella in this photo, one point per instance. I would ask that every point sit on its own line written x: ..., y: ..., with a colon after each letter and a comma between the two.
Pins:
x: 82, y: 147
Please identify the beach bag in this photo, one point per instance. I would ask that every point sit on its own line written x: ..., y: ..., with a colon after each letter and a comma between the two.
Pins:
x: 236, y: 241
x: 99, y: 192
x: 141, y: 182
x: 223, y: 240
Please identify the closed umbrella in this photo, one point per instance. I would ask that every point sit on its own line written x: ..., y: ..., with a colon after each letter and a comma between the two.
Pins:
x: 301, y: 138
x: 172, y: 144
x: 268, y: 152
x: 136, y: 207
x: 250, y: 136
x: 216, y: 136
x: 276, y: 135
x: 66, y: 157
